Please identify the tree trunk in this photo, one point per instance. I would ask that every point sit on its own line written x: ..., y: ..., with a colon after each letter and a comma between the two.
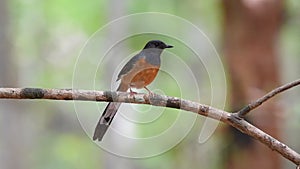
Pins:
x: 12, y: 150
x: 251, y: 32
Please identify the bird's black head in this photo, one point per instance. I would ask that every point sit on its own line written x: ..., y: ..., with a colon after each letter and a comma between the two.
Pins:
x: 157, y: 44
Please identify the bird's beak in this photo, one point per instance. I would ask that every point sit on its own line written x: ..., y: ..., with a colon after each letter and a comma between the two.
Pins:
x: 169, y: 46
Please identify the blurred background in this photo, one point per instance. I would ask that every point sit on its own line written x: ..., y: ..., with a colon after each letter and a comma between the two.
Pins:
x: 257, y: 40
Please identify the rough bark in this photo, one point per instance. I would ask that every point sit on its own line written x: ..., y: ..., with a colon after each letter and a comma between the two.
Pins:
x: 164, y: 101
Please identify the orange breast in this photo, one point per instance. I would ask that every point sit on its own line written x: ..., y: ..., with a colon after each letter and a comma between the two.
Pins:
x: 141, y: 75
x: 144, y: 77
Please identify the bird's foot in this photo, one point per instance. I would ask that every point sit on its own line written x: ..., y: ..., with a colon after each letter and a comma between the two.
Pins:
x: 149, y: 92
x: 132, y: 93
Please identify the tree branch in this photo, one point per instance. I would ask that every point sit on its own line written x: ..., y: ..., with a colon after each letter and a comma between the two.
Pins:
x: 232, y: 119
x: 244, y: 111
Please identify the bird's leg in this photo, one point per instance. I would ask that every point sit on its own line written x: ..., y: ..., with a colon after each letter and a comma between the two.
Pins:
x: 150, y: 93
x: 132, y: 93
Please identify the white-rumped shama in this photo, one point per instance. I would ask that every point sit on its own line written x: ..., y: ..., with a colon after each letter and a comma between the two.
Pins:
x: 138, y: 72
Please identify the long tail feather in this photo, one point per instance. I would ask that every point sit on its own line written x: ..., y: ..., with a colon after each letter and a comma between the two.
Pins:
x: 107, y: 116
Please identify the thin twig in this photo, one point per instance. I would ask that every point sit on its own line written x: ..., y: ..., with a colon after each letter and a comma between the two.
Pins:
x: 245, y: 110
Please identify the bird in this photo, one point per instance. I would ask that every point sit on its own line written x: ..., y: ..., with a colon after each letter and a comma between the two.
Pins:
x: 137, y: 73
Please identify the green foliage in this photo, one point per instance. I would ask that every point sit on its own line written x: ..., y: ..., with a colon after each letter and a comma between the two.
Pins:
x: 66, y: 151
